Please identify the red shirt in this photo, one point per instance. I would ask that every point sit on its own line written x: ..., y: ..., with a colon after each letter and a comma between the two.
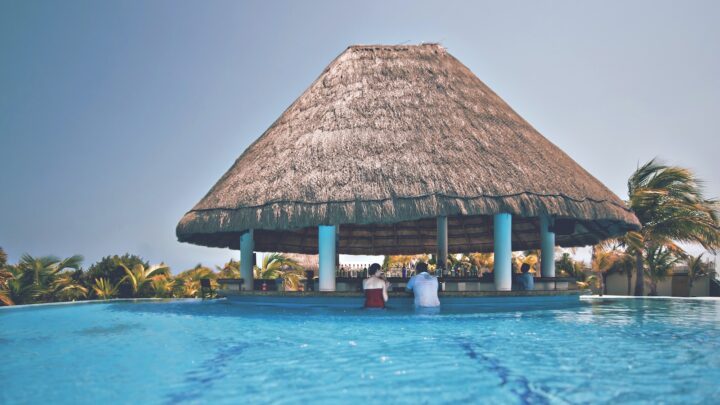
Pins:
x: 374, y: 298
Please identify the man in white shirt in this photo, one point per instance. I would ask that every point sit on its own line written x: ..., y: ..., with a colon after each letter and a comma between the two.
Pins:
x: 424, y: 286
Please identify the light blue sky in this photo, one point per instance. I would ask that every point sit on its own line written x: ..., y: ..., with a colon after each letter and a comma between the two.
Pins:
x: 116, y: 117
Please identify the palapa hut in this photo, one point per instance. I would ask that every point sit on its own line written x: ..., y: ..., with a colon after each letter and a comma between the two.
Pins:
x: 403, y: 150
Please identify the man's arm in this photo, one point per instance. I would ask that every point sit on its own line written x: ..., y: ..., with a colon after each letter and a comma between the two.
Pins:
x: 410, y: 284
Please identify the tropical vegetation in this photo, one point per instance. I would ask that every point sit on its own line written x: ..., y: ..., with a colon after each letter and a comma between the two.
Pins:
x: 669, y: 202
x: 276, y: 266
x: 52, y: 279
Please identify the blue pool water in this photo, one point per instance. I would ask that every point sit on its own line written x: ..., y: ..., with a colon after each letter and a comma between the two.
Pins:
x: 490, y: 350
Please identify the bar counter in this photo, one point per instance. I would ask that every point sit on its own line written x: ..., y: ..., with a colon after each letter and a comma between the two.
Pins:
x: 534, y: 293
x: 449, y: 286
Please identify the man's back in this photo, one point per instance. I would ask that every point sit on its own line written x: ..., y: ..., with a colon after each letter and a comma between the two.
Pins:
x: 528, y: 281
x: 425, y: 288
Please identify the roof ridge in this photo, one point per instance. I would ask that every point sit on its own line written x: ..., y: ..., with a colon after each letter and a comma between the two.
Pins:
x: 397, y: 47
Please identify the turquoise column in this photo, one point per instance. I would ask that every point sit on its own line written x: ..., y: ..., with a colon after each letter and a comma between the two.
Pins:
x: 502, y: 224
x: 327, y: 249
x: 247, y: 259
x: 547, y: 247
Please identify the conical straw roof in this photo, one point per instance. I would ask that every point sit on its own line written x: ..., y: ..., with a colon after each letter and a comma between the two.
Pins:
x: 384, y: 141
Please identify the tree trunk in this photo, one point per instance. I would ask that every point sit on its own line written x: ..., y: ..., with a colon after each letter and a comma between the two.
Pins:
x: 629, y: 277
x: 639, y: 276
x: 690, y: 283
x: 603, y: 277
x: 653, y: 289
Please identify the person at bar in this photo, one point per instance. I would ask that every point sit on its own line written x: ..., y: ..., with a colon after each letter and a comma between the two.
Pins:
x: 525, y: 280
x: 424, y: 286
x: 375, y: 287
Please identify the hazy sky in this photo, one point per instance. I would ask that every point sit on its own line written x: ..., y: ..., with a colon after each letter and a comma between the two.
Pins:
x: 116, y: 117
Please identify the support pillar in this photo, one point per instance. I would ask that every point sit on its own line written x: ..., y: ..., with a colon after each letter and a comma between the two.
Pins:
x: 547, y: 247
x: 442, y: 244
x: 337, y: 246
x: 247, y: 260
x: 327, y: 249
x: 502, y: 224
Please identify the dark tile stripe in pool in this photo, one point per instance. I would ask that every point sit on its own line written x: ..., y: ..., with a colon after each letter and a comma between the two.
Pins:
x: 202, y: 378
x: 520, y: 385
x: 110, y: 330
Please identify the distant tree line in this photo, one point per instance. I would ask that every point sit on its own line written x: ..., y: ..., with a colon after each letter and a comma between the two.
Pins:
x: 51, y: 279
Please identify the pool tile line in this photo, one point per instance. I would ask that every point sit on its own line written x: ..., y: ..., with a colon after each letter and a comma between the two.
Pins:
x: 525, y: 393
x: 202, y: 378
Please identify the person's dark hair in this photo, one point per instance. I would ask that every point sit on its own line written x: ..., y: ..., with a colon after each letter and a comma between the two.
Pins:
x: 420, y: 267
x: 525, y: 268
x: 373, y: 269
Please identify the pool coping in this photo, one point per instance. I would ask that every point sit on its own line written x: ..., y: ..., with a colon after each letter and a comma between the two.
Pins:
x: 647, y: 297
x: 48, y: 304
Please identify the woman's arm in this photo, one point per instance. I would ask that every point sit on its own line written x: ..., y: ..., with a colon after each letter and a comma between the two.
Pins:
x: 385, y: 294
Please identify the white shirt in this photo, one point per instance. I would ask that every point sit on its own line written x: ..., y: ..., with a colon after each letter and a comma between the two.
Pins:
x: 425, y: 288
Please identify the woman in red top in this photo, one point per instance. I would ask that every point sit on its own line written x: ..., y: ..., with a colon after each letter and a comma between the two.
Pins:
x: 375, y: 288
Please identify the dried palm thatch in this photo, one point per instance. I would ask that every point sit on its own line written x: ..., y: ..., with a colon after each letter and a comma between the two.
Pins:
x: 384, y: 141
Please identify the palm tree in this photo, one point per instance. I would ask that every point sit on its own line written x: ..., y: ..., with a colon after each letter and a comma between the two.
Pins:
x: 140, y: 276
x: 187, y: 283
x: 41, y: 270
x: 277, y: 265
x: 391, y: 261
x: 624, y: 264
x: 66, y: 288
x: 104, y: 288
x: 13, y: 291
x: 187, y: 288
x: 231, y: 269
x: 34, y: 276
x: 17, y: 292
x: 482, y: 260
x: 566, y: 265
x: 602, y: 262
x: 162, y: 285
x: 3, y: 258
x: 529, y: 257
x: 660, y: 260
x: 5, y: 277
x: 697, y: 268
x: 670, y: 205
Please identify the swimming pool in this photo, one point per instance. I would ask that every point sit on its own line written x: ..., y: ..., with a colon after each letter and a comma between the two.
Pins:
x: 492, y: 350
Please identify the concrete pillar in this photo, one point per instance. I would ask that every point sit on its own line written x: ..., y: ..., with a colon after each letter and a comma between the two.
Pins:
x: 547, y: 247
x: 502, y: 224
x: 337, y: 246
x: 327, y: 249
x: 247, y: 259
x: 442, y: 244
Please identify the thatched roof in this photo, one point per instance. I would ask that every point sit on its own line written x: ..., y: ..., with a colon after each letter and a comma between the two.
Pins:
x: 385, y: 140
